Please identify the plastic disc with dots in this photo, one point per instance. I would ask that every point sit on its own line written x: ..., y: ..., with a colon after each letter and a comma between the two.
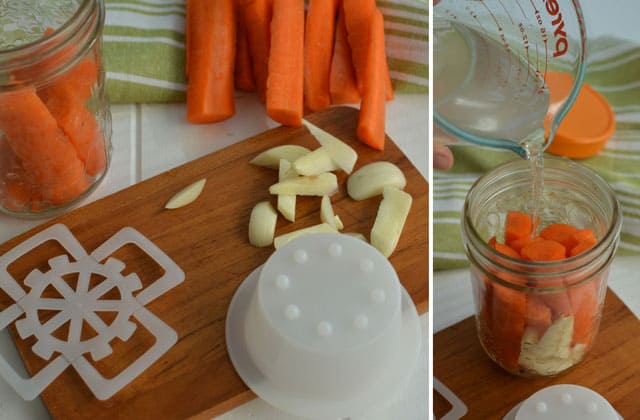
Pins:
x: 564, y: 402
x: 324, y: 328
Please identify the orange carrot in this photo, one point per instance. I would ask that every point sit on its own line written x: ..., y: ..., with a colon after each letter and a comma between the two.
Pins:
x: 286, y: 63
x: 506, y: 250
x: 342, y: 81
x: 509, y: 309
x: 559, y: 232
x: 80, y: 126
x: 358, y: 15
x: 243, y: 71
x: 538, y: 314
x: 210, y: 89
x: 584, y: 302
x: 518, y: 244
x: 318, y: 48
x: 581, y: 235
x: 545, y: 250
x: 581, y: 247
x: 257, y: 18
x: 516, y: 226
x: 492, y: 242
x: 371, y: 121
x: 47, y: 155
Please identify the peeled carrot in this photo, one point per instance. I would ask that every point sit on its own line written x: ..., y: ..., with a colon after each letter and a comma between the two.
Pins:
x: 559, y: 232
x: 342, y: 80
x: 358, y: 15
x: 584, y: 302
x: 318, y: 49
x: 506, y: 250
x: 80, y: 126
x: 210, y: 89
x: 545, y: 250
x: 516, y: 226
x: 257, y: 18
x: 509, y: 309
x: 581, y: 247
x: 371, y: 121
x: 286, y: 63
x: 579, y: 236
x: 538, y: 314
x: 518, y: 244
x: 243, y: 72
x: 47, y: 155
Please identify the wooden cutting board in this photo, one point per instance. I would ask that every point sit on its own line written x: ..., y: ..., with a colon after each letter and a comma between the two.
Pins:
x: 208, y: 240
x: 611, y: 368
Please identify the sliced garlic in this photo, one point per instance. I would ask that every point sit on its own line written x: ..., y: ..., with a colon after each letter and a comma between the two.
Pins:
x: 287, y: 202
x: 327, y: 215
x: 369, y: 180
x: 320, y: 228
x: 186, y: 195
x: 323, y: 184
x: 270, y: 158
x: 262, y: 224
x: 341, y: 153
x: 392, y: 214
x: 315, y: 163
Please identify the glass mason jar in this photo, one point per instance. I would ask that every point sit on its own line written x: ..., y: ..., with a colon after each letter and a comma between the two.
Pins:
x: 539, y: 318
x: 55, y: 124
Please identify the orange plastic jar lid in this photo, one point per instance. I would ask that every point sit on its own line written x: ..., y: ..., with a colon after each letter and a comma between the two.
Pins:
x: 587, y: 126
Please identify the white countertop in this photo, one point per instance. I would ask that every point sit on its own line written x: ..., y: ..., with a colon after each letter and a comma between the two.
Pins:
x: 150, y: 139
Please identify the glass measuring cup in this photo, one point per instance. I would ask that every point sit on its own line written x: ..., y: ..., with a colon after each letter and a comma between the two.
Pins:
x: 491, y: 62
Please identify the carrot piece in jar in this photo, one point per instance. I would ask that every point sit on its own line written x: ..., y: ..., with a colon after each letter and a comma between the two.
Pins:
x: 508, y: 310
x: 538, y: 314
x: 518, y: 244
x: 517, y: 225
x: 584, y: 303
x: 581, y: 247
x: 545, y: 250
x: 47, y: 155
x: 559, y: 232
x: 81, y: 128
x: 506, y: 250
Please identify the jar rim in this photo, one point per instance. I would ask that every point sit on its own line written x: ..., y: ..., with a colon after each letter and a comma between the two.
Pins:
x: 79, y: 29
x: 545, y: 269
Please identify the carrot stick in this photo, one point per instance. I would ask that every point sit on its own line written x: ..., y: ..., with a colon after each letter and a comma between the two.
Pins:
x: 210, y: 89
x: 509, y: 308
x: 538, y: 314
x: 371, y: 121
x: 257, y: 18
x: 318, y: 48
x: 47, y: 156
x: 516, y: 226
x: 518, y: 244
x: 80, y: 126
x: 559, y: 232
x: 342, y: 81
x: 244, y: 70
x: 358, y: 14
x: 545, y: 250
x: 584, y: 303
x: 286, y: 63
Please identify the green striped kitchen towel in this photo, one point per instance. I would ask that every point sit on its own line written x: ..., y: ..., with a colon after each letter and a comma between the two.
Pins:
x: 614, y: 70
x: 144, y: 48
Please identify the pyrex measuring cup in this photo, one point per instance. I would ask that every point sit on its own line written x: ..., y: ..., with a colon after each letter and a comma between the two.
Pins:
x: 492, y: 59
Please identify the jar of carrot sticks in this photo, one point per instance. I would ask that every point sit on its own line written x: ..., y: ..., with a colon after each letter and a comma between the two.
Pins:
x: 55, y: 124
x: 539, y: 287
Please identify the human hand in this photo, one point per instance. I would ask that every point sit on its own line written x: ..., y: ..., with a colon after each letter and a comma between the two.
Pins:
x: 442, y: 157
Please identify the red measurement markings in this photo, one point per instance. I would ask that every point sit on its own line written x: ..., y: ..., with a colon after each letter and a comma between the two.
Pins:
x: 503, y: 38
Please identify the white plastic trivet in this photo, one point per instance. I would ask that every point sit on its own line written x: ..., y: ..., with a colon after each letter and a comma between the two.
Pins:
x: 323, y: 329
x: 564, y: 402
x: 83, y: 304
